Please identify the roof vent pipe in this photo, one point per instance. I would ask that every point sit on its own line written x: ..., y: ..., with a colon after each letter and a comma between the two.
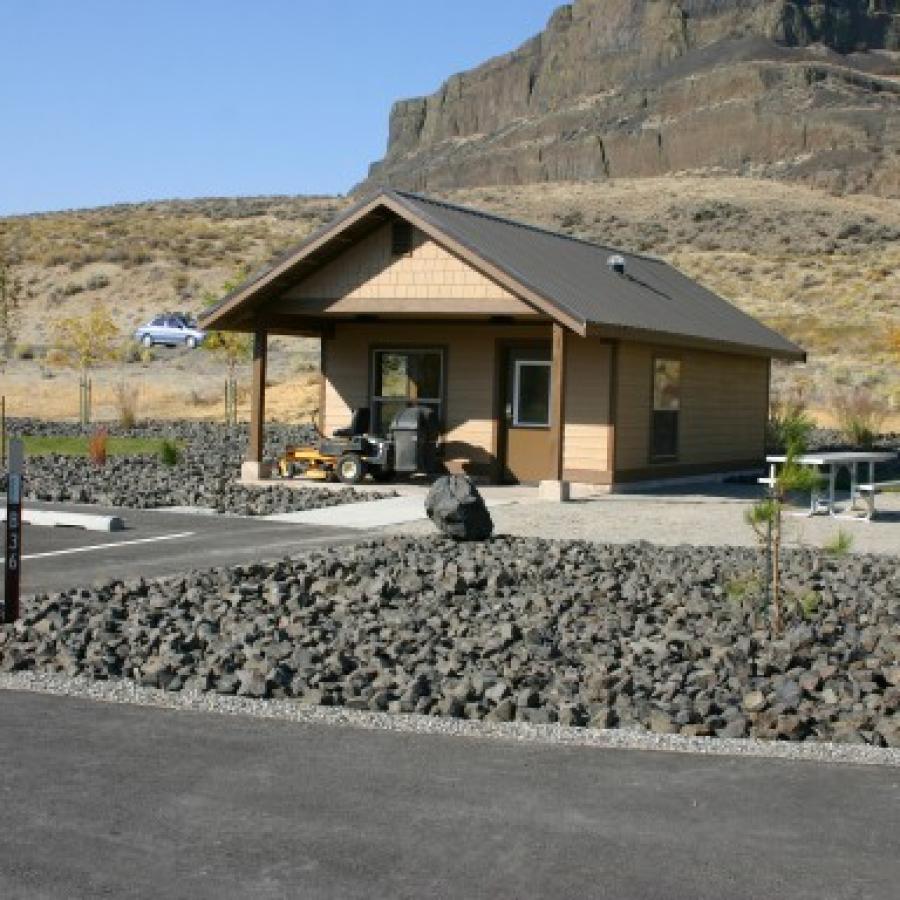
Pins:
x: 616, y: 264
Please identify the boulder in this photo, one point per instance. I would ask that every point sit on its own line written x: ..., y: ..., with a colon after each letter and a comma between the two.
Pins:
x: 458, y: 510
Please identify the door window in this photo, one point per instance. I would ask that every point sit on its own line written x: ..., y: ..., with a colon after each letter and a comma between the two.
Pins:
x: 531, y: 393
x: 666, y: 409
x: 402, y: 378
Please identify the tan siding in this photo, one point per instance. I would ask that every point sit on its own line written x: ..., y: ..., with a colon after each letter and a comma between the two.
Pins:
x: 368, y: 271
x: 723, y: 406
x: 471, y: 372
x: 632, y: 406
x: 587, y: 404
x: 471, y: 368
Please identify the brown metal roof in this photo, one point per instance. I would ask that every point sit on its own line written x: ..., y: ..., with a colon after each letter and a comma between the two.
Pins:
x: 568, y: 278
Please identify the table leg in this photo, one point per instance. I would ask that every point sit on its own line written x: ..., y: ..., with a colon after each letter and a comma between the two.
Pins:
x: 832, y: 478
x: 871, y: 496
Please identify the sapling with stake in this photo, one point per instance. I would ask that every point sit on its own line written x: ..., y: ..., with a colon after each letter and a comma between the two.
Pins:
x: 766, y: 519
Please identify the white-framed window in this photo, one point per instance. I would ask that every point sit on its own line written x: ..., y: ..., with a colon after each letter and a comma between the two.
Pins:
x: 405, y: 377
x: 531, y: 393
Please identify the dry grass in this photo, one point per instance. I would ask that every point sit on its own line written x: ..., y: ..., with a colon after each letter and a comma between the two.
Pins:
x: 294, y: 400
x: 824, y: 270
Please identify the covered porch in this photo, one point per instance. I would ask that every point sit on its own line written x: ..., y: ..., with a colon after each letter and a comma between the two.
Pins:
x: 498, y: 389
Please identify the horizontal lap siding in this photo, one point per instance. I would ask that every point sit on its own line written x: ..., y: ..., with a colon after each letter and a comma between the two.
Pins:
x: 723, y: 406
x: 471, y: 367
x: 587, y: 431
x: 632, y: 406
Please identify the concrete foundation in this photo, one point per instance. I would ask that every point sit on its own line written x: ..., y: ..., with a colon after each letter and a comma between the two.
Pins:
x: 556, y: 491
x: 255, y: 471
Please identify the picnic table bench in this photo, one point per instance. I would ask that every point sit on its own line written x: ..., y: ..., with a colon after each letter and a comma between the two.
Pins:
x: 834, y: 461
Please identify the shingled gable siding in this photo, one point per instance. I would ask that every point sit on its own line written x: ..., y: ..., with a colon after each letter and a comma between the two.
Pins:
x: 471, y: 369
x: 368, y: 271
x: 724, y: 399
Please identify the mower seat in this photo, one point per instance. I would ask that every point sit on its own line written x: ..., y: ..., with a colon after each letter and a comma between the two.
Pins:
x: 359, y: 424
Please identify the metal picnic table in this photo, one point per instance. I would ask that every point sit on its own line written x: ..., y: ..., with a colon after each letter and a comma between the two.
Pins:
x: 834, y: 461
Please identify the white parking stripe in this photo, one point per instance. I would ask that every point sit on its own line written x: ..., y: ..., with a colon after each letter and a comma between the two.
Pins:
x: 112, y: 546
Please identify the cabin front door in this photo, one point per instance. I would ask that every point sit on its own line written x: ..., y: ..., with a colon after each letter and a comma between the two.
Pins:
x: 526, y: 450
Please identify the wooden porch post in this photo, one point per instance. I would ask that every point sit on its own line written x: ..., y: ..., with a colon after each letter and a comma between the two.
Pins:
x: 257, y: 403
x: 558, y: 398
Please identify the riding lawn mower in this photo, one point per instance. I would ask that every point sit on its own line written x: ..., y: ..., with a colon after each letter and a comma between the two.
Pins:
x: 353, y: 452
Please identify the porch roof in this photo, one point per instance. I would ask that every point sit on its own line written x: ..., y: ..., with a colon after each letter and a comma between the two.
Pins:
x: 567, y: 278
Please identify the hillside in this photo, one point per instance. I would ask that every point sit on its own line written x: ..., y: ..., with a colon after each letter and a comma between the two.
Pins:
x: 823, y: 269
x: 801, y: 91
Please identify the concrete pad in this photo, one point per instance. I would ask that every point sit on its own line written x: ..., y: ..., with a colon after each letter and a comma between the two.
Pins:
x: 52, y: 518
x: 366, y: 515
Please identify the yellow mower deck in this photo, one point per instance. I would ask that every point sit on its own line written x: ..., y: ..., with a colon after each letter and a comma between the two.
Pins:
x: 307, y: 462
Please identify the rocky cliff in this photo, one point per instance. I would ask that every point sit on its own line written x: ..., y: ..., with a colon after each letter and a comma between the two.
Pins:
x: 802, y: 90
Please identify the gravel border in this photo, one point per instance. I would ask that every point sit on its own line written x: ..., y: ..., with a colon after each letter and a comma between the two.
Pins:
x: 127, y: 692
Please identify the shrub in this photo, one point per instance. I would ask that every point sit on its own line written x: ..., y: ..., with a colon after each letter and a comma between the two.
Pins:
x: 24, y: 351
x: 168, y: 453
x: 840, y: 544
x: 97, y: 281
x: 789, y: 424
x: 860, y: 415
x: 72, y: 288
x: 131, y: 352
x: 807, y: 604
x: 97, y: 446
x: 56, y: 357
x: 126, y: 396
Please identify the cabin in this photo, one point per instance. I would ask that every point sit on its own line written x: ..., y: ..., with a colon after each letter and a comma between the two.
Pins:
x: 545, y: 358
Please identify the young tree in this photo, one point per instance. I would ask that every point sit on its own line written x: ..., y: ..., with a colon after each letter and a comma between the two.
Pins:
x: 85, y: 341
x: 766, y: 519
x: 232, y: 346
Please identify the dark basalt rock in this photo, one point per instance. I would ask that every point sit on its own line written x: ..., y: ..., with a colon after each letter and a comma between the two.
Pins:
x: 504, y: 630
x: 797, y: 90
x: 205, y: 475
x: 458, y: 510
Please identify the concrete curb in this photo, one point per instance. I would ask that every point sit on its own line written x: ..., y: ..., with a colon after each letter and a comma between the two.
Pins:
x: 52, y: 518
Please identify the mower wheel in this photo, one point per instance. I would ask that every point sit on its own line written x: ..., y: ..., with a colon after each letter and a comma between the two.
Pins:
x: 351, y: 469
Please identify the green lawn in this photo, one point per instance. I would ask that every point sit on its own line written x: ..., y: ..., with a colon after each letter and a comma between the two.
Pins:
x: 40, y: 445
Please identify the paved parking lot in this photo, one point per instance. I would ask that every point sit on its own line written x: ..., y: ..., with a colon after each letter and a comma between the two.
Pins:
x: 103, y: 800
x: 156, y: 542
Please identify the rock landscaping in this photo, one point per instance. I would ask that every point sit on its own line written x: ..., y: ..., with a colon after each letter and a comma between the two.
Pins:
x: 526, y: 630
x: 455, y: 506
x: 205, y: 475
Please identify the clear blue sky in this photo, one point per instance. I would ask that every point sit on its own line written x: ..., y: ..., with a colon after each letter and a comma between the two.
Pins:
x: 103, y: 101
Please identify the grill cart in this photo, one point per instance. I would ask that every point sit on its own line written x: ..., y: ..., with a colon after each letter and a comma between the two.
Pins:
x: 352, y: 453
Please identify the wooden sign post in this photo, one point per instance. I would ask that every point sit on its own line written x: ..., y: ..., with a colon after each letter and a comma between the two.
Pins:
x: 13, y: 561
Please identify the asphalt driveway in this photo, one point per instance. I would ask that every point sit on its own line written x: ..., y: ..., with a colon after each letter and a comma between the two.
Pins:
x: 124, y: 801
x: 159, y: 542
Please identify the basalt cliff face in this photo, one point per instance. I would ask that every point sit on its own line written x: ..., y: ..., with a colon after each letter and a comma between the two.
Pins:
x: 802, y: 90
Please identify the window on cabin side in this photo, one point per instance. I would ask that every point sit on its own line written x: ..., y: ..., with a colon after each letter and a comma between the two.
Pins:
x: 666, y: 409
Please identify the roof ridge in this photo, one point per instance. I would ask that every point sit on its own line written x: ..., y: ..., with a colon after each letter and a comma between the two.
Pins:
x: 540, y: 229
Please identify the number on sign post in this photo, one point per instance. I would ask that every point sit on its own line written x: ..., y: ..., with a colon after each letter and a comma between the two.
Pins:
x: 13, y: 560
